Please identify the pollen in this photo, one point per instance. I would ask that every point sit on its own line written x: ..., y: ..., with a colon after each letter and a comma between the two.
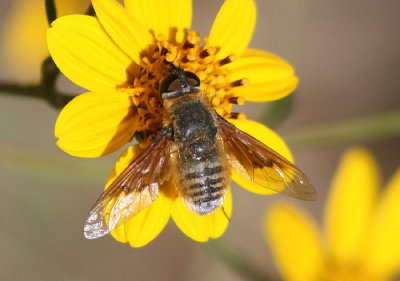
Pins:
x: 192, y: 55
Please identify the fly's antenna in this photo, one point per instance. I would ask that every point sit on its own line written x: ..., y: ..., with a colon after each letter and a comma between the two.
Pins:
x: 177, y: 71
x: 180, y: 74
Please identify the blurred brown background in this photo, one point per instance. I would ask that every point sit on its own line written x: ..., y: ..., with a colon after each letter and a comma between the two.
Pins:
x: 346, y: 54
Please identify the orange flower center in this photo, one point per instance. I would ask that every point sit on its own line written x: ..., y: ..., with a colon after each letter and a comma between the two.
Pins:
x: 190, y: 56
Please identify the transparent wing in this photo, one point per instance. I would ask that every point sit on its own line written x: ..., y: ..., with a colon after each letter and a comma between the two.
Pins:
x: 260, y: 164
x: 132, y: 191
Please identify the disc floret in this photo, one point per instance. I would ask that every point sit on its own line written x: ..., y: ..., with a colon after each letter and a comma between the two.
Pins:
x: 192, y: 55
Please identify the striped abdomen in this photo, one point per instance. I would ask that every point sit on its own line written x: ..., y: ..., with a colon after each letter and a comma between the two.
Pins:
x: 203, y: 173
x: 203, y: 181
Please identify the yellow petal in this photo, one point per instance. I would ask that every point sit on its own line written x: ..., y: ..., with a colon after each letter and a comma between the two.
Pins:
x: 202, y: 227
x: 269, y: 77
x: 294, y: 241
x: 165, y: 17
x: 86, y: 55
x: 269, y: 138
x: 126, y: 32
x: 22, y: 63
x: 93, y: 124
x: 382, y: 251
x: 233, y: 27
x: 147, y: 224
x: 350, y: 203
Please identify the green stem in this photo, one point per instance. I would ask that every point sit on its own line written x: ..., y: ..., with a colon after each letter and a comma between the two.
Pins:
x: 361, y: 129
x: 50, y: 166
x: 54, y: 98
x: 277, y: 111
x: 237, y: 263
x: 90, y: 11
x: 46, y: 90
x: 51, y: 11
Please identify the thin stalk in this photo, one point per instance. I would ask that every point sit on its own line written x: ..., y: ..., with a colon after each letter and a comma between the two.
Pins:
x: 49, y: 166
x: 46, y: 90
x: 237, y: 263
x: 51, y: 11
x: 361, y: 129
x: 54, y: 98
x: 278, y: 111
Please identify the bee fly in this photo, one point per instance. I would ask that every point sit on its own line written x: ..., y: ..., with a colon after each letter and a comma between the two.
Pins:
x: 195, y: 150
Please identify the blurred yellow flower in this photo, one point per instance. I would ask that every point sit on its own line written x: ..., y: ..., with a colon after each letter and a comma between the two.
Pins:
x: 361, y: 235
x: 23, y: 38
x: 121, y: 56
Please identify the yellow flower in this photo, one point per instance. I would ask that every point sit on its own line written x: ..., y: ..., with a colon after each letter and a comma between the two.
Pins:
x: 121, y: 56
x: 23, y: 39
x: 361, y: 235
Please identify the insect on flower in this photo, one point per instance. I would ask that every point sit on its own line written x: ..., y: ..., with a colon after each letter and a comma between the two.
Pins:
x: 121, y: 58
x: 195, y: 150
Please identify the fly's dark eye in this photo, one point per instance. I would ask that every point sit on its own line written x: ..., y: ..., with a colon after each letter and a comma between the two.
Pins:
x: 167, y: 82
x: 180, y: 83
x: 174, y: 85
x: 192, y: 78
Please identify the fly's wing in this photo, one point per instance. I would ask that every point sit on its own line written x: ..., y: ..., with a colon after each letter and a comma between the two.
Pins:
x: 260, y: 164
x: 132, y: 191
